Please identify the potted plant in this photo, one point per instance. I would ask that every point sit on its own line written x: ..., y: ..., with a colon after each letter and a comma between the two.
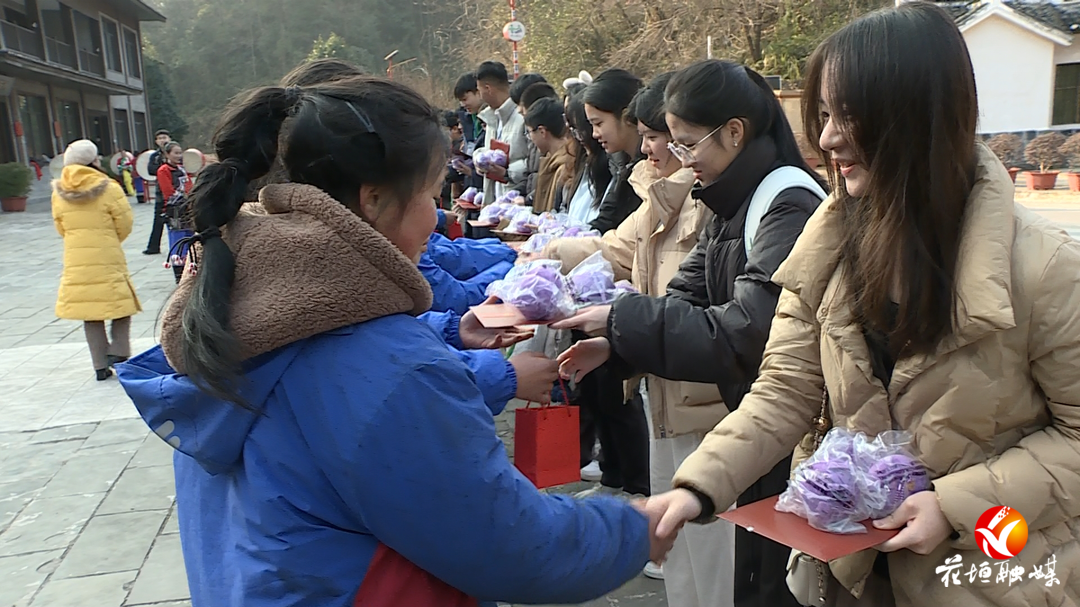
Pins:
x: 1071, y: 151
x: 1044, y: 152
x: 15, y: 181
x: 1007, y: 148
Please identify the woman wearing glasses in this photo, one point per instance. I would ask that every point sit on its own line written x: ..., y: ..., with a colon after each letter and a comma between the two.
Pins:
x: 728, y: 127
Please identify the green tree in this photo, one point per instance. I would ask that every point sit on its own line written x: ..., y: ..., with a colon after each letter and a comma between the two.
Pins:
x: 164, y: 112
x: 335, y: 46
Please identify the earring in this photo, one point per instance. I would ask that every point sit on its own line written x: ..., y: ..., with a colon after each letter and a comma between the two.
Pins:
x: 736, y: 143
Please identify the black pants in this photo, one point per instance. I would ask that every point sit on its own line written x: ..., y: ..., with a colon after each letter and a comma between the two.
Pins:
x: 622, y: 430
x: 154, y: 246
x: 760, y: 563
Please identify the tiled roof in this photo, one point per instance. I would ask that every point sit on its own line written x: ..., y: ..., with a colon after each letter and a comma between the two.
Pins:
x: 1061, y: 16
x: 1064, y: 16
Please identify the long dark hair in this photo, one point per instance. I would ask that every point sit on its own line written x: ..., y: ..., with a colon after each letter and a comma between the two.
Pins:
x: 902, y: 89
x: 339, y: 136
x: 612, y: 91
x: 710, y: 93
x: 589, y: 156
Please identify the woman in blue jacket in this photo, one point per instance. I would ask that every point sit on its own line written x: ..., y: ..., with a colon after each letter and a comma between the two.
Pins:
x: 331, y: 451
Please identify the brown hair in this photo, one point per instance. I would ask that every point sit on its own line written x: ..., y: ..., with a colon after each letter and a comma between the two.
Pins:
x: 900, y: 84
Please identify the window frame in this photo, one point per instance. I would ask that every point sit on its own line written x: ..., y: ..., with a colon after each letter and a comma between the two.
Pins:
x: 102, y: 17
x: 138, y: 53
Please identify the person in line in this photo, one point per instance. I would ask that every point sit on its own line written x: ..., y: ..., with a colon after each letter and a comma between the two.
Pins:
x: 161, y: 139
x: 456, y: 174
x: 467, y: 93
x: 606, y: 100
x: 711, y: 326
x: 93, y: 215
x: 532, y: 163
x: 922, y: 298
x: 619, y: 417
x: 546, y: 124
x: 588, y: 178
x: 175, y: 183
x: 498, y: 379
x: 504, y: 124
x: 292, y: 373
x: 648, y: 248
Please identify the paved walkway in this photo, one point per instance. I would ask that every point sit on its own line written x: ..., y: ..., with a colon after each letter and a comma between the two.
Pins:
x: 87, y: 515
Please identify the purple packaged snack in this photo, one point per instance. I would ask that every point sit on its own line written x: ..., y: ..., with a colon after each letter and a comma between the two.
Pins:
x: 469, y: 194
x: 499, y: 157
x: 592, y: 282
x: 898, y: 477
x: 537, y: 289
x: 830, y: 496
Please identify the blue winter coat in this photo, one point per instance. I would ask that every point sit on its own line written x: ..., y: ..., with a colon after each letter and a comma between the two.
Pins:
x: 458, y: 295
x: 369, y: 437
x: 464, y: 258
x: 494, y: 375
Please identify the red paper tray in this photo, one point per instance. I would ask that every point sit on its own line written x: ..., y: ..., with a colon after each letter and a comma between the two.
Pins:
x: 791, y: 530
x: 502, y: 315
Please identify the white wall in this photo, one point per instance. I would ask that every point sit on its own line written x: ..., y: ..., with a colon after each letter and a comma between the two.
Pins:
x: 1014, y: 74
x: 1068, y: 54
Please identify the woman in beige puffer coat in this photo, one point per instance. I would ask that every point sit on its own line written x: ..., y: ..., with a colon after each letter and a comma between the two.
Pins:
x: 964, y: 332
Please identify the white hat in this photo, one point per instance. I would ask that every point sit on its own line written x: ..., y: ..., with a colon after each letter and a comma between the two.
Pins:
x: 82, y: 152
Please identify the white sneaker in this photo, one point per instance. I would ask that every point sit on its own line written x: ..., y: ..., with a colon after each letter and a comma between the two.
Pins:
x: 654, y: 571
x: 591, y: 472
x: 600, y: 490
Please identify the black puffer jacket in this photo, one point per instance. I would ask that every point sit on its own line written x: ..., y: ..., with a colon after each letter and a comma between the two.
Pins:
x: 713, y: 324
x: 620, y: 200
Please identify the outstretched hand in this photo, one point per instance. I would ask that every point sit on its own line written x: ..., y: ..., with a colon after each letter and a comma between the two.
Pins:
x: 475, y: 336
x: 592, y: 321
x: 584, y: 357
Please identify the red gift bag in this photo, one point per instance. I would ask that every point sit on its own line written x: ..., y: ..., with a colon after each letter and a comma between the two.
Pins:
x: 547, y: 444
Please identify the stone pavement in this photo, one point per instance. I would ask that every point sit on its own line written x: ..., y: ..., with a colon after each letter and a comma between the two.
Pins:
x: 87, y: 515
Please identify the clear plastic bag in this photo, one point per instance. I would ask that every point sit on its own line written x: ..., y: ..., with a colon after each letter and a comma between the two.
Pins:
x: 623, y: 287
x: 851, y: 478
x: 592, y: 282
x: 493, y: 213
x: 537, y: 242
x: 523, y: 223
x: 537, y: 289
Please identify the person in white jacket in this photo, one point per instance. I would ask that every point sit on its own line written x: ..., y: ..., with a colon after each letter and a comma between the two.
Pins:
x: 504, y: 123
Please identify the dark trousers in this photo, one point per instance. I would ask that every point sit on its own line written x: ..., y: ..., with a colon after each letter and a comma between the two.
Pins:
x: 622, y: 429
x: 154, y: 246
x: 760, y: 563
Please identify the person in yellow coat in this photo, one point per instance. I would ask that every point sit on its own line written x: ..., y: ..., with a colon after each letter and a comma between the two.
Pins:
x: 93, y: 215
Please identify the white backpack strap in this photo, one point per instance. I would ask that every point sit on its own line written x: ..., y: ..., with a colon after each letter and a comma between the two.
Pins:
x: 780, y: 179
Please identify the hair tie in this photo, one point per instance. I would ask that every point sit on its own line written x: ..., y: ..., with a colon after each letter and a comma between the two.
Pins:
x: 293, y: 94
x: 208, y: 233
